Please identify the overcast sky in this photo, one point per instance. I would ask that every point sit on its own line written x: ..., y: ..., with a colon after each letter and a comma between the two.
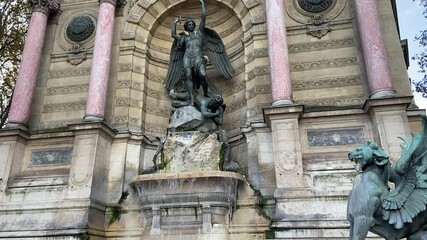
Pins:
x: 411, y: 22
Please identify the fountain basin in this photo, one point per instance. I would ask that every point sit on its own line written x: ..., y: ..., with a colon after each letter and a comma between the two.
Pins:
x: 187, y: 203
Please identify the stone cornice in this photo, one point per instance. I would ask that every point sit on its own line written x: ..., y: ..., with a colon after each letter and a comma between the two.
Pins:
x: 48, y: 7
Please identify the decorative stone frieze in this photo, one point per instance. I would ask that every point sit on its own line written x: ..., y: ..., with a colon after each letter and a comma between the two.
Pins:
x: 322, y: 64
x: 63, y: 107
x: 236, y: 105
x: 234, y: 89
x: 157, y: 111
x: 154, y: 93
x: 321, y: 45
x: 69, y: 72
x: 80, y: 88
x: 47, y: 7
x: 261, y: 70
x: 235, y: 125
x: 261, y: 52
x: 353, y: 80
x: 335, y: 101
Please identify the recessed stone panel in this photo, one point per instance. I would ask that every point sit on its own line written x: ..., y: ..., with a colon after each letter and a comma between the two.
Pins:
x: 51, y: 156
x: 335, y: 137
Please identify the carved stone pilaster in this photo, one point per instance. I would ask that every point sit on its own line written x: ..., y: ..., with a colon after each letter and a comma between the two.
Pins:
x: 116, y: 3
x: 48, y: 7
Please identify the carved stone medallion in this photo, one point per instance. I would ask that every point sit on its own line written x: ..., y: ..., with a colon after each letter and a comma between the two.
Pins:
x: 80, y: 28
x: 303, y: 11
x: 315, y: 6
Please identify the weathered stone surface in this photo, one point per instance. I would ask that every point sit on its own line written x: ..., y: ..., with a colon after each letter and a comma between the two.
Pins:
x: 177, y: 205
x: 190, y: 119
x: 191, y: 151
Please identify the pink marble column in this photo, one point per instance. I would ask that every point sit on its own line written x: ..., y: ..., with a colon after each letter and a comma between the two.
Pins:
x: 20, y: 110
x: 100, y: 72
x: 278, y: 54
x: 377, y: 69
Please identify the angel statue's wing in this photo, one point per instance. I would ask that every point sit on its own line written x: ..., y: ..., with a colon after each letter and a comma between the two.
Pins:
x: 409, y: 197
x: 215, y: 49
x: 175, y: 69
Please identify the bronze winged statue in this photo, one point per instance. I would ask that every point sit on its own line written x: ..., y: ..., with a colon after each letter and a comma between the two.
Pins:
x: 187, y: 62
x: 392, y: 214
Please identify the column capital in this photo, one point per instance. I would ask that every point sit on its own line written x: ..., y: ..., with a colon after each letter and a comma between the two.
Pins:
x: 47, y: 7
x: 115, y: 3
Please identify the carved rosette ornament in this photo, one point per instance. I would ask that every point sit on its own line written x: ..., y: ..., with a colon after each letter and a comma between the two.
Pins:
x: 80, y: 28
x: 315, y: 5
x: 316, y: 15
x: 48, y: 7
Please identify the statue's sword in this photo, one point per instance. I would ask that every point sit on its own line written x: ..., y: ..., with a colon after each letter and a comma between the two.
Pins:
x: 183, y: 19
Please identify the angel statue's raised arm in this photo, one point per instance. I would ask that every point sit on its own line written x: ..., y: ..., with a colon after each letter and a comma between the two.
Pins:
x: 187, y: 60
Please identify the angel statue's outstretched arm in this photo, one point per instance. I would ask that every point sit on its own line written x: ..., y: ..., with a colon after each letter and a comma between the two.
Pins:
x: 173, y: 32
x: 203, y: 17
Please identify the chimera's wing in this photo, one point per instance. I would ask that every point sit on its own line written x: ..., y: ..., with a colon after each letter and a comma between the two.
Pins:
x: 175, y: 70
x: 215, y: 49
x: 409, y: 174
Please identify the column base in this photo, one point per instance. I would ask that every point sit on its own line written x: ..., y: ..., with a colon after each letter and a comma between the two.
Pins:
x: 20, y: 126
x: 93, y: 119
x: 282, y: 102
x: 383, y: 93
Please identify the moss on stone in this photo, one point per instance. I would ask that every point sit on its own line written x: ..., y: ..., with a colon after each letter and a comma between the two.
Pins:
x: 222, y: 157
x: 84, y: 236
x: 115, y: 213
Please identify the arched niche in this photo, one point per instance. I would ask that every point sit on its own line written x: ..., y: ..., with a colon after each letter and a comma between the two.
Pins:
x: 148, y: 27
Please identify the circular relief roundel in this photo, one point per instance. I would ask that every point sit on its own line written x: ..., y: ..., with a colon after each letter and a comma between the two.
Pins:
x: 80, y: 28
x: 315, y: 6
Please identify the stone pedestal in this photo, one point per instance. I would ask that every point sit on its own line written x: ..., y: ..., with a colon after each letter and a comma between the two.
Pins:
x: 191, y: 151
x: 390, y: 121
x: 287, y: 154
x: 190, y: 205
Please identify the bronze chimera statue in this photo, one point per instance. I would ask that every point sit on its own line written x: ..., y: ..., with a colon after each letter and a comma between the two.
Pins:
x: 391, y: 213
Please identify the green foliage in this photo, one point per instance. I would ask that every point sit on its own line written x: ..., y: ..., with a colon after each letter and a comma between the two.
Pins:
x: 84, y: 236
x: 115, y: 213
x: 13, y: 27
x: 421, y: 86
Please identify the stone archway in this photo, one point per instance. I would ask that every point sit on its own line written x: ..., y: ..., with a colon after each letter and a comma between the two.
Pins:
x: 147, y: 36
